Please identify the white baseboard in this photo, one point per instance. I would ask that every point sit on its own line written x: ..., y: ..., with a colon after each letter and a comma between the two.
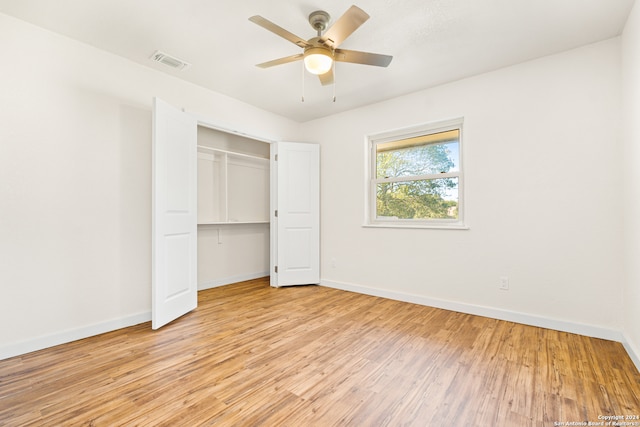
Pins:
x: 229, y: 280
x: 70, y: 335
x: 64, y: 337
x: 634, y: 352
x: 494, y: 313
x: 512, y: 316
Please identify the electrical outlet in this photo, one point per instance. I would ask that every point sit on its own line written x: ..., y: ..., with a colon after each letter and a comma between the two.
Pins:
x: 504, y: 283
x: 333, y: 263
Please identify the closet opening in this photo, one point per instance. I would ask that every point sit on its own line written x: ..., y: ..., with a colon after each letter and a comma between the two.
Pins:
x: 233, y: 208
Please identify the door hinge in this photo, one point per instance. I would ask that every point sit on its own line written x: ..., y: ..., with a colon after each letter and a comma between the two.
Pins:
x: 276, y: 157
x: 276, y: 268
x: 276, y: 213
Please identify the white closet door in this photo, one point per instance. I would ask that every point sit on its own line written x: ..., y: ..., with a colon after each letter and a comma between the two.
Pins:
x: 297, y: 225
x: 174, y: 247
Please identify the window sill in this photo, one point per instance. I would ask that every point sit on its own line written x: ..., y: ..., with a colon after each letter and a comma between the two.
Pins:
x: 427, y: 226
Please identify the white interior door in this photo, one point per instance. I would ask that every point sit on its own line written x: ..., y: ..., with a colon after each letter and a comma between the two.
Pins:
x: 296, y: 227
x: 174, y: 217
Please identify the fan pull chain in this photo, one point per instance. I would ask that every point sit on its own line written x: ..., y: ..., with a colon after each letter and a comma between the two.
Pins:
x: 302, y: 81
x: 334, y: 81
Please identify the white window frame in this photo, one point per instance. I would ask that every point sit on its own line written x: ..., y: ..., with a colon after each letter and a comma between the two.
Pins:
x: 371, y: 181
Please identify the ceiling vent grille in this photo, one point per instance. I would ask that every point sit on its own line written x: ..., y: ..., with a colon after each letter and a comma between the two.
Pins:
x: 169, y: 60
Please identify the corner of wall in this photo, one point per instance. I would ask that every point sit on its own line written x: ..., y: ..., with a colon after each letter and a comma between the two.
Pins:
x: 630, y: 83
x: 632, y: 350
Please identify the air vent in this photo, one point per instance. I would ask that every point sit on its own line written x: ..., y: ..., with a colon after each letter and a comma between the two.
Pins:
x: 169, y: 60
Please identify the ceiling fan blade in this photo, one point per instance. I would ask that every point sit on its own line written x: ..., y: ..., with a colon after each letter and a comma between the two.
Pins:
x: 344, y: 27
x: 365, y: 58
x: 266, y: 24
x: 280, y: 61
x: 326, y: 78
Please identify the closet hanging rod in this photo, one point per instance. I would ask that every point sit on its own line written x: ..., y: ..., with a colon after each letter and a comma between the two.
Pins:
x: 233, y: 153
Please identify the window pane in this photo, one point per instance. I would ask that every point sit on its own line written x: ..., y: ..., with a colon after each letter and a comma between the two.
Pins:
x: 423, y: 199
x: 422, y: 155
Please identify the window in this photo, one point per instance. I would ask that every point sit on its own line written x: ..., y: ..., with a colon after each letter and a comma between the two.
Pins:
x: 416, y: 177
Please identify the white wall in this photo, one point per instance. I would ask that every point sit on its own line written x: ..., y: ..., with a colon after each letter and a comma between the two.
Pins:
x: 544, y: 195
x: 232, y: 253
x: 631, y: 107
x: 75, y: 183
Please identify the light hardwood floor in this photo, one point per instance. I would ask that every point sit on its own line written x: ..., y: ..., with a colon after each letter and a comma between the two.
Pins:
x: 313, y: 356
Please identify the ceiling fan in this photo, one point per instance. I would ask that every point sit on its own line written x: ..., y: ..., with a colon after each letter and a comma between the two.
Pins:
x: 321, y: 51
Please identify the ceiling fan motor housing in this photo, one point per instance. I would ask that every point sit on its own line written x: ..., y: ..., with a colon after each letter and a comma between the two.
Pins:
x: 319, y: 20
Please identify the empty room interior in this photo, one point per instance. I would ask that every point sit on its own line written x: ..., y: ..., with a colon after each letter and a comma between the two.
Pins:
x: 297, y: 213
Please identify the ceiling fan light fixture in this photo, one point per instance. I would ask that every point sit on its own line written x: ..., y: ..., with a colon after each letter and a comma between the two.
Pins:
x: 317, y: 60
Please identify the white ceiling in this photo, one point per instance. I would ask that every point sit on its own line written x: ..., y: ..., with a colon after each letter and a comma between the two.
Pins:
x: 432, y: 41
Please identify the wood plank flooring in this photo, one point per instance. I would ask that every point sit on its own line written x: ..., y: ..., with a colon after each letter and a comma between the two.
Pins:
x: 252, y: 355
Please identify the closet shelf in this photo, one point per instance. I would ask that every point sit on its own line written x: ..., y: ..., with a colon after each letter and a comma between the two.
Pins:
x: 233, y: 222
x: 233, y: 188
x: 233, y: 153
